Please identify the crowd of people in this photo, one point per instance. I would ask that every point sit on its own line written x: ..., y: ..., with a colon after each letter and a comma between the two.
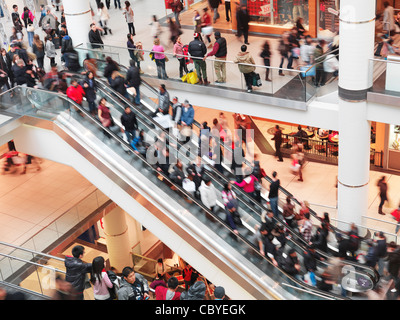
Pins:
x: 18, y: 68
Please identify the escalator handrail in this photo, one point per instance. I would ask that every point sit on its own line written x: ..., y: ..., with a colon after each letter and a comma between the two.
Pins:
x: 223, y: 223
x: 304, y: 244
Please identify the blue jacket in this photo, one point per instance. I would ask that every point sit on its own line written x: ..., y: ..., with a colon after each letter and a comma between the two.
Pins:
x: 188, y: 115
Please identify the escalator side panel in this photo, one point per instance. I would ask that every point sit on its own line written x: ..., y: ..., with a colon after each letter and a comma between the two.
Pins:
x: 75, y: 154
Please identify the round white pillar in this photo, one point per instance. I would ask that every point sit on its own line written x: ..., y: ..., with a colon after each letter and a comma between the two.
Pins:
x: 356, y: 30
x: 117, y: 238
x: 78, y: 17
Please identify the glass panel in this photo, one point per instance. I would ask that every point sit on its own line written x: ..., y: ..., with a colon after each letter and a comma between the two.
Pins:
x: 290, y: 86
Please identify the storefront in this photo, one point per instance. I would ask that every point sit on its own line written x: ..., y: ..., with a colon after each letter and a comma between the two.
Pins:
x: 393, y: 161
x: 276, y: 16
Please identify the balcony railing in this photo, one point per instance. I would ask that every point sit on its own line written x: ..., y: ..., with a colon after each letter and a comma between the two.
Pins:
x: 295, y: 85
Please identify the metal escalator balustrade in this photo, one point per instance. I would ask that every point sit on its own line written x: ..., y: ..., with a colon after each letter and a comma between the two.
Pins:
x: 237, y: 242
x: 254, y: 216
x: 370, y: 276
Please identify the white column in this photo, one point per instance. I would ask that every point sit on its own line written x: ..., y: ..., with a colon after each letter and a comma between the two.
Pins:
x: 78, y: 17
x: 117, y: 238
x: 356, y: 30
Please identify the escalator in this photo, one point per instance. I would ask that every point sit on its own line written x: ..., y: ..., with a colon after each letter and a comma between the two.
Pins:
x: 249, y: 209
x: 235, y: 255
x: 150, y: 105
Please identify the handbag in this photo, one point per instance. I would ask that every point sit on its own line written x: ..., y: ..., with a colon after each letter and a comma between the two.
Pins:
x: 310, y: 73
x: 295, y: 53
x: 257, y: 80
x: 30, y: 28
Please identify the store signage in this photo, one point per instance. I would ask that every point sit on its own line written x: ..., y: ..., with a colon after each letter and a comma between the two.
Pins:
x: 259, y: 7
x: 333, y: 11
x: 265, y: 10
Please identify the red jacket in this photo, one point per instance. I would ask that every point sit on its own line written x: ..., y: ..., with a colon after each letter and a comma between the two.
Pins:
x: 161, y: 293
x: 76, y: 93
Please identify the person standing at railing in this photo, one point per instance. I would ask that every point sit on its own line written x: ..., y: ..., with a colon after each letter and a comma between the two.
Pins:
x: 220, y: 52
x: 178, y: 53
x: 100, y: 280
x: 197, y: 51
x: 159, y: 58
x: 76, y: 270
x: 95, y: 36
x: 246, y: 66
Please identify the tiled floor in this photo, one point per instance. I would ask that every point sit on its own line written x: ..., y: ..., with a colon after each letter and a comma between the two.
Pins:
x: 30, y: 202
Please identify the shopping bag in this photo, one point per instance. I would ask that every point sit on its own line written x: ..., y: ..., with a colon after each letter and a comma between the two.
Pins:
x: 207, y: 31
x: 257, y: 80
x: 307, y: 71
x: 192, y: 77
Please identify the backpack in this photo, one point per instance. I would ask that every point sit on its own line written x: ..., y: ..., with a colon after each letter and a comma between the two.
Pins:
x: 185, y: 50
x: 116, y: 281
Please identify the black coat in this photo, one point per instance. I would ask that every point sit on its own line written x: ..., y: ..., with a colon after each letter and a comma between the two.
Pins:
x: 288, y: 265
x: 66, y: 44
x: 109, y: 69
x: 243, y: 19
x: 76, y: 270
x: 129, y: 121
x: 214, y: 3
x: 95, y: 38
x: 73, y: 60
x: 118, y: 84
x: 19, y: 74
x: 90, y: 91
x: 133, y: 77
x: 197, y: 48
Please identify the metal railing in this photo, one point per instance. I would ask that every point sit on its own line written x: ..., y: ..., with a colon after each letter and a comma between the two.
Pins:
x: 294, y: 86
